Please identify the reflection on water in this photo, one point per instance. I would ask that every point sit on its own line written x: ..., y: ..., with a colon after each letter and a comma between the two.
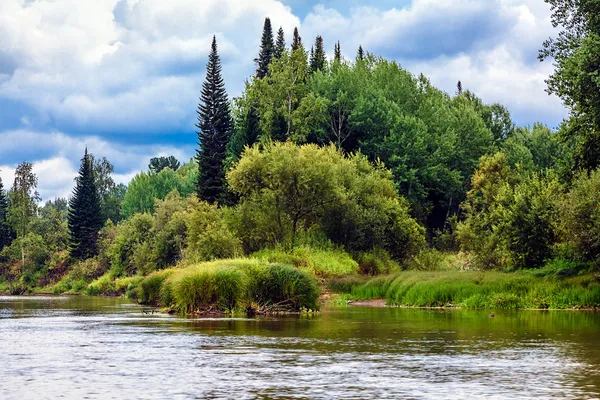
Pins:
x: 82, y: 347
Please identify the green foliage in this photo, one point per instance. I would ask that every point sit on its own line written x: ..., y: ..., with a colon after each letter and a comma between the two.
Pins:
x: 318, y: 59
x: 145, y: 188
x: 6, y: 232
x: 319, y: 263
x: 85, y: 213
x: 215, y: 128
x: 130, y: 237
x: 478, y: 290
x: 208, y: 236
x: 157, y: 164
x: 150, y: 287
x: 267, y: 48
x: 23, y: 198
x: 580, y: 217
x: 510, y: 218
x: 285, y: 189
x: 376, y: 262
x: 230, y: 285
x: 576, y: 56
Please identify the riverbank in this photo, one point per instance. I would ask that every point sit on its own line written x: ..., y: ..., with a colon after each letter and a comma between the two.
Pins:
x: 473, y: 290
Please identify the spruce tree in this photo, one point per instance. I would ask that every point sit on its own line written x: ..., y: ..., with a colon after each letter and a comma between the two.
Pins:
x: 215, y: 128
x: 337, y: 53
x: 267, y: 48
x: 6, y: 233
x: 459, y: 88
x: 85, y: 213
x: 318, y: 58
x: 280, y: 44
x: 361, y: 54
x: 297, y: 41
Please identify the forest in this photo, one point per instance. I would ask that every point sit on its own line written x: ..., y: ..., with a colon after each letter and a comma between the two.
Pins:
x: 351, y: 176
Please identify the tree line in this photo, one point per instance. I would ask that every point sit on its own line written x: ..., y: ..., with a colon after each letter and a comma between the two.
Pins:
x: 358, y: 154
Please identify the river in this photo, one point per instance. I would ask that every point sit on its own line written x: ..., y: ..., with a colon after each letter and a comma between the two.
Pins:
x: 107, y: 348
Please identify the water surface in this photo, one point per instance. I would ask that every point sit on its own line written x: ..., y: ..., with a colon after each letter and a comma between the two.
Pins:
x: 103, y: 348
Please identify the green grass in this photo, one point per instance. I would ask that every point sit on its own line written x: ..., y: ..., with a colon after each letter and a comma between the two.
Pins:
x: 479, y: 290
x: 230, y: 285
x: 319, y: 263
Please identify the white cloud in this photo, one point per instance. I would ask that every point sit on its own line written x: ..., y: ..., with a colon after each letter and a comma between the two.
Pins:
x: 57, y: 158
x: 491, y: 46
x: 109, y: 64
x: 135, y: 67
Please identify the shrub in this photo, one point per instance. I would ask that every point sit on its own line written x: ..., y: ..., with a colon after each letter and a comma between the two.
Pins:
x: 207, y: 234
x: 580, y: 216
x: 377, y: 261
x: 319, y: 263
x: 229, y: 285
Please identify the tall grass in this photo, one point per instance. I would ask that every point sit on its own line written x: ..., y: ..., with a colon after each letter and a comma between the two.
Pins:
x: 230, y: 285
x: 480, y: 290
x: 317, y: 262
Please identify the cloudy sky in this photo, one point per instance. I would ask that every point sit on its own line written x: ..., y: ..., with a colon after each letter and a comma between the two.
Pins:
x: 123, y: 76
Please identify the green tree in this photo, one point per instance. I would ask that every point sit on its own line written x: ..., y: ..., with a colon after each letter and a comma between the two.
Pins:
x: 286, y: 189
x: 337, y: 53
x: 280, y: 93
x: 580, y: 217
x: 510, y: 217
x: 576, y: 55
x: 267, y: 48
x: 360, y: 55
x: 23, y: 203
x: 318, y: 59
x: 215, y: 128
x: 6, y: 233
x: 297, y: 41
x: 85, y: 214
x: 157, y: 164
x: 279, y: 44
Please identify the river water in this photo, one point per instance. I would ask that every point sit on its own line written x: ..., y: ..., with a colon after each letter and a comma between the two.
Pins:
x: 104, y: 348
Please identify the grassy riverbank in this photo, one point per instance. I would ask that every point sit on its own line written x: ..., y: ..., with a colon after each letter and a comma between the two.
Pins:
x: 474, y: 289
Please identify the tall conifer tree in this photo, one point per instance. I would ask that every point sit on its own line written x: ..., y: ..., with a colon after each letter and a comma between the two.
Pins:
x: 318, y: 57
x: 280, y: 44
x: 361, y: 53
x: 85, y: 213
x: 337, y: 53
x: 297, y: 41
x: 267, y: 48
x: 215, y: 128
x: 6, y: 233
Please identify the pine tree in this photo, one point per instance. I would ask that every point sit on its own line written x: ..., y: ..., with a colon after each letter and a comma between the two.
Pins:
x: 459, y: 88
x: 361, y: 54
x: 297, y: 42
x: 318, y: 58
x: 215, y: 128
x: 337, y: 53
x: 267, y: 48
x: 85, y: 213
x: 280, y: 44
x: 6, y: 233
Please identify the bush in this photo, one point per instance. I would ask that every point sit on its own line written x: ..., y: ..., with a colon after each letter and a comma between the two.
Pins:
x: 510, y: 218
x: 376, y: 262
x: 319, y: 263
x: 207, y: 234
x: 427, y: 260
x: 580, y: 216
x: 229, y: 285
